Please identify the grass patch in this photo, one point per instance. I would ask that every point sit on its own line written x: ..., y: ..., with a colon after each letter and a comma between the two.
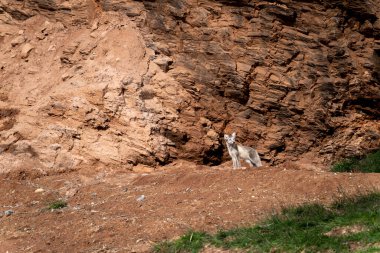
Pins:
x: 369, y: 163
x: 306, y: 228
x: 190, y: 242
x: 58, y: 204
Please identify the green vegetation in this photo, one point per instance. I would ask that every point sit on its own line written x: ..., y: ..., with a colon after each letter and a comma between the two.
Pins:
x: 58, y: 204
x: 350, y: 224
x: 370, y: 163
x: 191, y: 242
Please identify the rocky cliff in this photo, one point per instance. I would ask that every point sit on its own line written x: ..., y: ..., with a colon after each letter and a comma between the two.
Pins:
x: 119, y: 82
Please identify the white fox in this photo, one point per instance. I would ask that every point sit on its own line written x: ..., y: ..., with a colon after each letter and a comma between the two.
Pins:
x: 238, y: 152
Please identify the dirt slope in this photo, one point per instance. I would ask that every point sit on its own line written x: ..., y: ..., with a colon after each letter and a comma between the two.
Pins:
x: 103, y: 214
x: 95, y: 93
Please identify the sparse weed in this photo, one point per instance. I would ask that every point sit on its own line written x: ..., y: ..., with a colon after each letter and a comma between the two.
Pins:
x: 58, y: 204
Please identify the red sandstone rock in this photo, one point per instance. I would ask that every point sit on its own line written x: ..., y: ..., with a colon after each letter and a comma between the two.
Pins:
x: 166, y: 80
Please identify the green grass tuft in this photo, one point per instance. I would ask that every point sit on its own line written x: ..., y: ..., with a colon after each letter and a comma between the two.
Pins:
x: 369, y: 164
x: 298, y: 229
x: 58, y: 204
x: 190, y: 242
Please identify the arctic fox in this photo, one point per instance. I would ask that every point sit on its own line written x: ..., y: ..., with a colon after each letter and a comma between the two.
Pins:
x: 238, y: 152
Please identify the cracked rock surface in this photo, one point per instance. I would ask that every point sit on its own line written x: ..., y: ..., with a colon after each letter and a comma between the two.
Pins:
x: 119, y: 82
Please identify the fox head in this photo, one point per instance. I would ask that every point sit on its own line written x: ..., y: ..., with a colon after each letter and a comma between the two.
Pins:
x: 230, y: 139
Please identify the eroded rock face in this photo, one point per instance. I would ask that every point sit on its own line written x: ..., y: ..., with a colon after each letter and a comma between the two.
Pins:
x: 290, y: 78
x: 84, y: 97
x: 119, y: 83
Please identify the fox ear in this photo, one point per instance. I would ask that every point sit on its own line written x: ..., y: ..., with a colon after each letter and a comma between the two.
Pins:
x: 226, y: 136
x: 233, y: 134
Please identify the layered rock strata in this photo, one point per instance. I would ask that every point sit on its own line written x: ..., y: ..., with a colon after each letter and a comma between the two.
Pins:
x: 119, y: 82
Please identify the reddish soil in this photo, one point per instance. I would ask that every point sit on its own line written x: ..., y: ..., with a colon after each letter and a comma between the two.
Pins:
x: 103, y: 214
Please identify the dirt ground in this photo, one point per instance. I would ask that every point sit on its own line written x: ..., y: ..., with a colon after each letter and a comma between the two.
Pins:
x: 104, y: 215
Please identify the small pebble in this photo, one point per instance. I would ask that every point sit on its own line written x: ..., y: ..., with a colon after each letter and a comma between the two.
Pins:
x: 141, y: 198
x: 39, y: 190
x: 8, y: 212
